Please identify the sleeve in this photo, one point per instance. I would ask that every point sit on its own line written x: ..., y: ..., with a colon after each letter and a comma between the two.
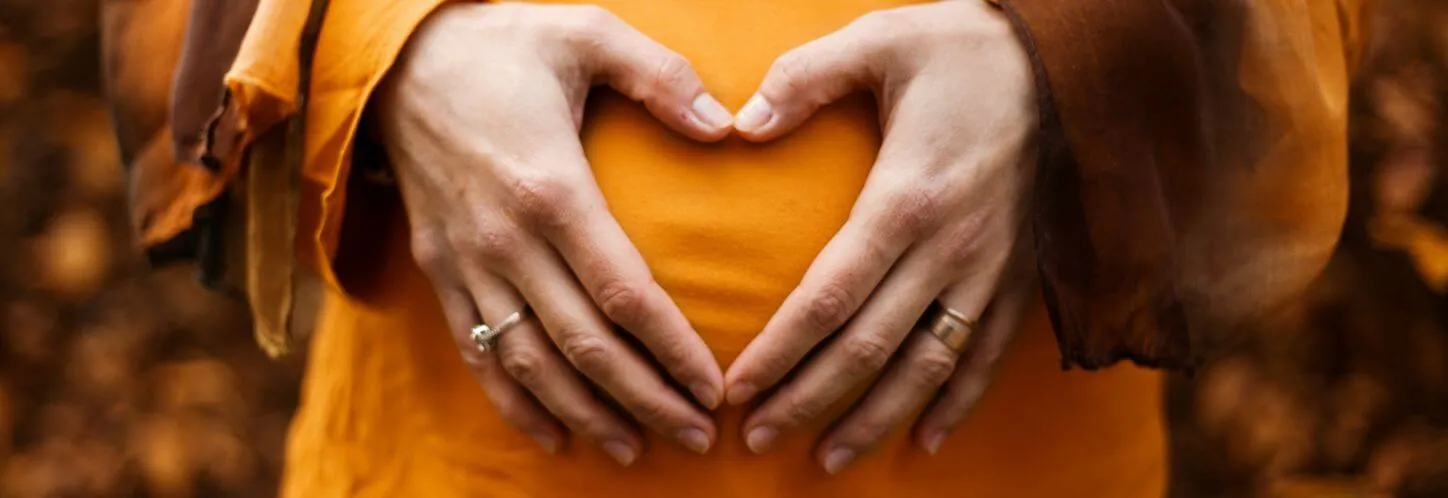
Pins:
x: 167, y: 186
x: 1193, y: 166
x: 263, y: 153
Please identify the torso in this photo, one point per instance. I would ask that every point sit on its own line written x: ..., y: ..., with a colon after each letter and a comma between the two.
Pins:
x: 728, y: 230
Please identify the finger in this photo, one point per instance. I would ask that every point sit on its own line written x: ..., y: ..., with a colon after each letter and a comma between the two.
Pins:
x: 618, y: 280
x: 663, y: 80
x: 807, y: 78
x: 580, y: 332
x: 528, y: 358
x: 512, y: 402
x: 834, y: 287
x: 966, y: 386
x: 913, y: 381
x: 860, y: 351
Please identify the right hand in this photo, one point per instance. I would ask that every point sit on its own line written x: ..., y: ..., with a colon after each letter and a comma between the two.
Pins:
x: 480, y: 120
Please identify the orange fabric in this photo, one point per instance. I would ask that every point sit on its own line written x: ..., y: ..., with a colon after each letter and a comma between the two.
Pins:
x: 728, y: 230
x: 264, y: 78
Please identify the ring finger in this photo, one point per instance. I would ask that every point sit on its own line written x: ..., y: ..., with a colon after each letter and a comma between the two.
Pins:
x: 587, y: 341
x: 524, y: 352
x: 966, y: 386
x: 857, y: 354
x: 924, y: 365
x: 511, y: 400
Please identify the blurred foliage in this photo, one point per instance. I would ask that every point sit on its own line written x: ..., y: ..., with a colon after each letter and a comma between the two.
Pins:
x: 114, y: 380
x: 1350, y: 385
x: 120, y: 381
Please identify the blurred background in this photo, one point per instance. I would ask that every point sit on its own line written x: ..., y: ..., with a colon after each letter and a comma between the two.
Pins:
x: 117, y: 379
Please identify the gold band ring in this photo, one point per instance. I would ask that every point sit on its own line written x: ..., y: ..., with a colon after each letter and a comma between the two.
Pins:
x: 952, y: 328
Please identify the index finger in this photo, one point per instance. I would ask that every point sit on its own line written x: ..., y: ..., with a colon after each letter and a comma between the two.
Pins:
x: 615, y: 275
x: 666, y: 83
x: 833, y: 289
x: 811, y: 76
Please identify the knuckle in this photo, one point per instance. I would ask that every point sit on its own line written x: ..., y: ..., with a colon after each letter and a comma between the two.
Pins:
x: 961, y: 245
x: 541, y: 197
x: 622, y: 302
x: 933, y: 369
x: 773, y: 366
x: 803, y: 410
x: 587, y: 352
x: 862, y: 431
x: 672, y: 70
x: 429, y: 252
x: 791, y: 74
x: 829, y: 308
x: 879, y: 30
x: 866, y: 355
x: 651, y: 411
x: 492, y: 244
x: 525, y: 367
x: 587, y: 23
x: 471, y: 357
x: 911, y: 211
x: 676, y: 356
x: 595, y: 426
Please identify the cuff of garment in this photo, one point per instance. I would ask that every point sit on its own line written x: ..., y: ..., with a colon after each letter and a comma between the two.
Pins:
x: 285, y: 130
x: 1106, y: 74
x: 358, y: 43
x: 181, y: 175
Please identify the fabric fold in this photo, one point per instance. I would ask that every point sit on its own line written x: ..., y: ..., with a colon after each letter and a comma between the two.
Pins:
x: 1192, y: 174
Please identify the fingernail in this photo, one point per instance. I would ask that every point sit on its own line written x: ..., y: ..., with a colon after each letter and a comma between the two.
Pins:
x: 695, y: 440
x: 705, y: 395
x: 620, y: 451
x: 547, y: 441
x: 838, y: 459
x: 755, y: 114
x: 710, y: 112
x: 760, y: 439
x: 932, y: 446
x: 741, y: 392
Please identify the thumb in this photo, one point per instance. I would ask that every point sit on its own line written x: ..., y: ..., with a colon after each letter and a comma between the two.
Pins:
x: 803, y: 80
x: 663, y: 80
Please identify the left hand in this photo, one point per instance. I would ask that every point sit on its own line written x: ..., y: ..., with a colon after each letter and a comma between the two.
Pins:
x: 940, y: 219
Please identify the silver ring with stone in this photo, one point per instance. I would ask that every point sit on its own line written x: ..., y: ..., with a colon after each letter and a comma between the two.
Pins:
x: 486, y: 336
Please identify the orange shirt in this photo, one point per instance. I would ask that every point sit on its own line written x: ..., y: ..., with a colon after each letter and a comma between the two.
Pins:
x: 728, y: 230
x: 388, y: 409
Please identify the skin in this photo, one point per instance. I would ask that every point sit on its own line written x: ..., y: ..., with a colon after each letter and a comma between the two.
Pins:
x: 506, y: 213
x: 939, y: 219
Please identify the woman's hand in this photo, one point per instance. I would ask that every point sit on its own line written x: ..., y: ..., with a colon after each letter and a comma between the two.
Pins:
x: 480, y: 120
x: 939, y: 220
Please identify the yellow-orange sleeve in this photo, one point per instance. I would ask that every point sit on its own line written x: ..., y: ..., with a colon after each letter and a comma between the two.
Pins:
x: 357, y: 44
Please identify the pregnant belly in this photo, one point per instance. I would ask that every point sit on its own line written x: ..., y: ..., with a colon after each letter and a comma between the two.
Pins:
x: 728, y: 229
